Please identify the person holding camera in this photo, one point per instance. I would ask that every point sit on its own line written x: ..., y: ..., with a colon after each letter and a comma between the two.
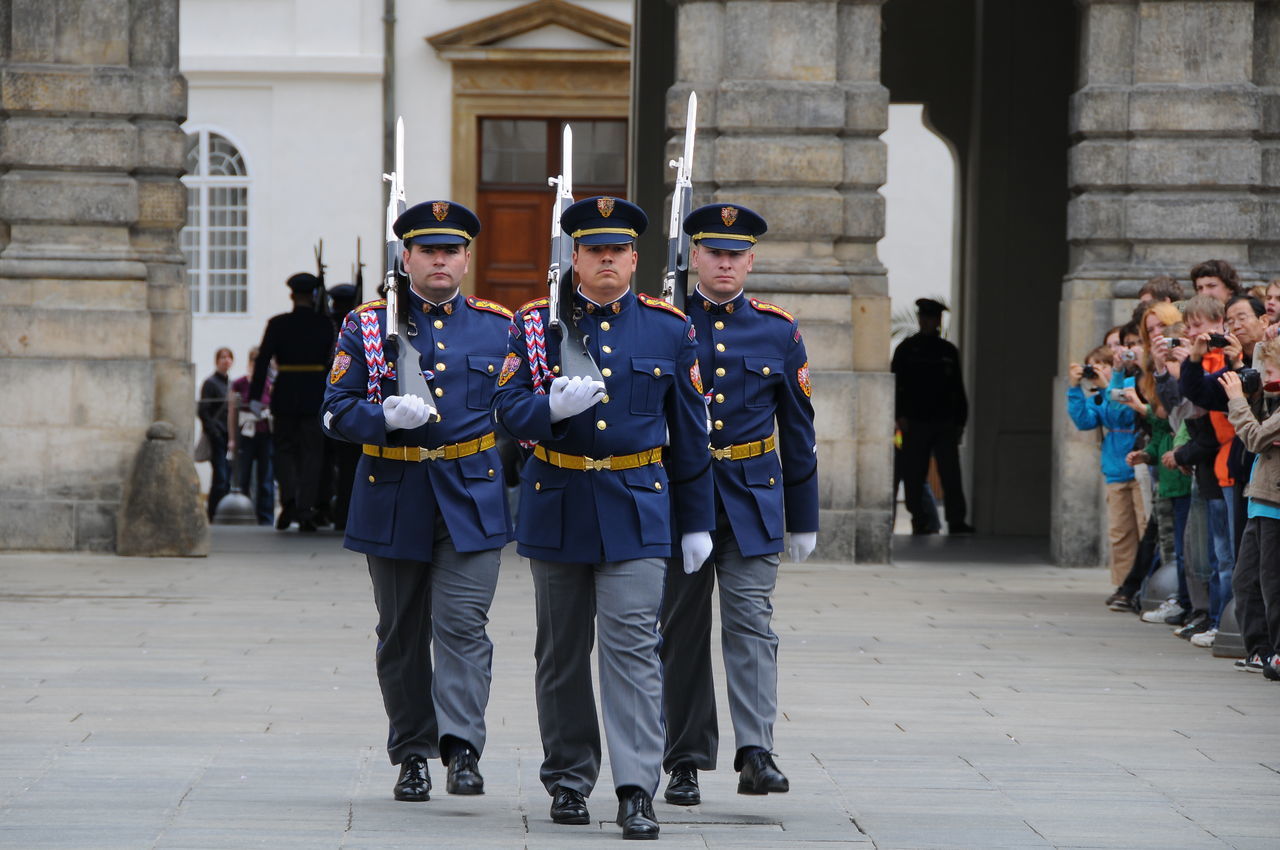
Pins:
x: 1256, y: 581
x: 1108, y: 409
x: 1211, y: 351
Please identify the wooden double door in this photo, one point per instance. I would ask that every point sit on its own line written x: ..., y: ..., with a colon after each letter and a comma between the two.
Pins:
x: 514, y: 200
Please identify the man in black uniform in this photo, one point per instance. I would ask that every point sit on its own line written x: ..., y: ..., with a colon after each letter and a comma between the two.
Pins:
x: 340, y: 457
x: 931, y: 409
x: 302, y: 344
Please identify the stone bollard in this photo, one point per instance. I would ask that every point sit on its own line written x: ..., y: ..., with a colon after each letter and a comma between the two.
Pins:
x: 1229, y: 643
x: 161, y: 514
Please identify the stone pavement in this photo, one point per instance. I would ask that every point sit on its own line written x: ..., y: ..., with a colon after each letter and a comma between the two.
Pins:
x: 969, y: 696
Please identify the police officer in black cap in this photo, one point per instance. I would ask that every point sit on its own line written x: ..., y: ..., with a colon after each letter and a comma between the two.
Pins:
x: 931, y: 410
x: 340, y: 457
x: 301, y: 343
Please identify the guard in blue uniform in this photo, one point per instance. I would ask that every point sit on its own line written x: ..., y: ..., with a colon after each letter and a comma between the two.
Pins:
x: 757, y: 375
x: 596, y: 510
x: 301, y: 343
x: 428, y: 507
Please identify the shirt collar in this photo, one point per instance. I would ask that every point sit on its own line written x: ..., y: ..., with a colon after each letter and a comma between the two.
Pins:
x: 431, y: 308
x: 733, y: 305
x: 591, y: 308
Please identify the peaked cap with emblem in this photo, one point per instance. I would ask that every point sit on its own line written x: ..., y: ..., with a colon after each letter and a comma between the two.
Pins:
x: 303, y: 282
x: 603, y: 220
x: 437, y: 223
x: 725, y: 227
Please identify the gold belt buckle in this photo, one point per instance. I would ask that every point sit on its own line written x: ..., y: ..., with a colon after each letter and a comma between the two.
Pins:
x: 593, y: 464
x: 430, y: 454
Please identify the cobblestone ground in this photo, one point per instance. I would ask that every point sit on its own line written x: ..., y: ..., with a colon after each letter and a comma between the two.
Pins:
x: 968, y: 696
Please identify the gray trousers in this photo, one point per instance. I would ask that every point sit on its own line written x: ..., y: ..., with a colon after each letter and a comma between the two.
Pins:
x: 446, y: 600
x: 749, y: 645
x: 622, y: 599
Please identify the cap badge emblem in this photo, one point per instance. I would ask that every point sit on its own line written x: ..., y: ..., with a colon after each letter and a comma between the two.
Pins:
x: 440, y: 209
x: 728, y: 215
x: 605, y: 206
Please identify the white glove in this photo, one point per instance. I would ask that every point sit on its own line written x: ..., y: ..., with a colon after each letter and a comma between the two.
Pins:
x: 406, y: 411
x: 256, y: 406
x: 801, y: 545
x: 571, y: 396
x: 697, y: 548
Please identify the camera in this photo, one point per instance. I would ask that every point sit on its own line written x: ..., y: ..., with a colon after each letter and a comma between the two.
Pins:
x: 1129, y: 354
x: 1116, y: 394
x: 1089, y: 372
x: 1174, y: 341
x: 1250, y: 380
x: 1218, y: 341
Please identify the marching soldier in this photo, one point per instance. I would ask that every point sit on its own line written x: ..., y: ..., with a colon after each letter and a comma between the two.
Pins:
x: 757, y: 373
x: 428, y: 508
x: 596, y: 518
x: 300, y: 342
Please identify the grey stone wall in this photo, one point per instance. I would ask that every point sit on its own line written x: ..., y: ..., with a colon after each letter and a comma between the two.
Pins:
x: 1175, y: 126
x: 95, y: 326
x: 790, y: 113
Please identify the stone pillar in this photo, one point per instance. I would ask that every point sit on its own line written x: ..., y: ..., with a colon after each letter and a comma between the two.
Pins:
x: 1172, y: 164
x: 790, y: 110
x: 95, y: 326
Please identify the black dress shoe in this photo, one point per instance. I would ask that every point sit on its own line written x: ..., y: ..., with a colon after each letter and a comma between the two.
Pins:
x: 959, y: 528
x: 759, y: 774
x: 635, y: 815
x: 568, y: 806
x: 464, y: 773
x: 682, y: 790
x: 414, y: 784
x: 285, y: 519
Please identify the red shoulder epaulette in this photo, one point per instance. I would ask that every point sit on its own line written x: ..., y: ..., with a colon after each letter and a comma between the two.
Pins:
x: 766, y: 307
x: 535, y: 304
x: 371, y: 305
x: 488, y: 306
x: 659, y: 304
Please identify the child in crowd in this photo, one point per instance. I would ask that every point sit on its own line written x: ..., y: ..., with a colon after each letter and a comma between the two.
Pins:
x: 1125, y: 513
x: 1204, y: 316
x: 1173, y: 488
x: 1257, y: 573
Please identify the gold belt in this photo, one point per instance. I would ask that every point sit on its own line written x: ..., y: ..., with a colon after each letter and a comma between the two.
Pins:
x: 417, y: 453
x: 743, y: 451
x: 581, y: 463
x: 302, y: 367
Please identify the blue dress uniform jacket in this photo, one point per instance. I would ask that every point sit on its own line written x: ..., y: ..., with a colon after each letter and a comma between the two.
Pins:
x: 756, y: 371
x: 652, y: 385
x: 394, y: 502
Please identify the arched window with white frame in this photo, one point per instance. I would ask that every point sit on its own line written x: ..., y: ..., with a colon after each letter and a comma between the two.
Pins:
x: 216, y: 238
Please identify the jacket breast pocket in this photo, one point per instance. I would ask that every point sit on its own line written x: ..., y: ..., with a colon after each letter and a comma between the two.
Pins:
x: 651, y: 378
x: 763, y: 378
x: 374, y: 498
x: 482, y: 376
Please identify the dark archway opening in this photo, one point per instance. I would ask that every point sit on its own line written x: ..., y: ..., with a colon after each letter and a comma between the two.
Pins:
x: 996, y: 78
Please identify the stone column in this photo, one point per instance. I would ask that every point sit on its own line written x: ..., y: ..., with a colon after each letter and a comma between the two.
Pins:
x: 790, y: 113
x: 1171, y: 165
x: 95, y: 326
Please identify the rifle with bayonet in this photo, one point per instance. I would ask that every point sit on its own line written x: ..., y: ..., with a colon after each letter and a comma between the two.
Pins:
x: 409, y: 377
x: 322, y: 296
x: 358, y: 274
x: 575, y: 358
x: 675, y: 283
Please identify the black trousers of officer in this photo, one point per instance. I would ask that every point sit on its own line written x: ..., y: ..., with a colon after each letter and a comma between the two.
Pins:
x: 443, y: 605
x: 921, y: 440
x: 1255, y: 586
x: 299, y: 448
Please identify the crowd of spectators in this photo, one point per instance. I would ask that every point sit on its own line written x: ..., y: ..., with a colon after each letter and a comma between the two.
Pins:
x: 1186, y: 396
